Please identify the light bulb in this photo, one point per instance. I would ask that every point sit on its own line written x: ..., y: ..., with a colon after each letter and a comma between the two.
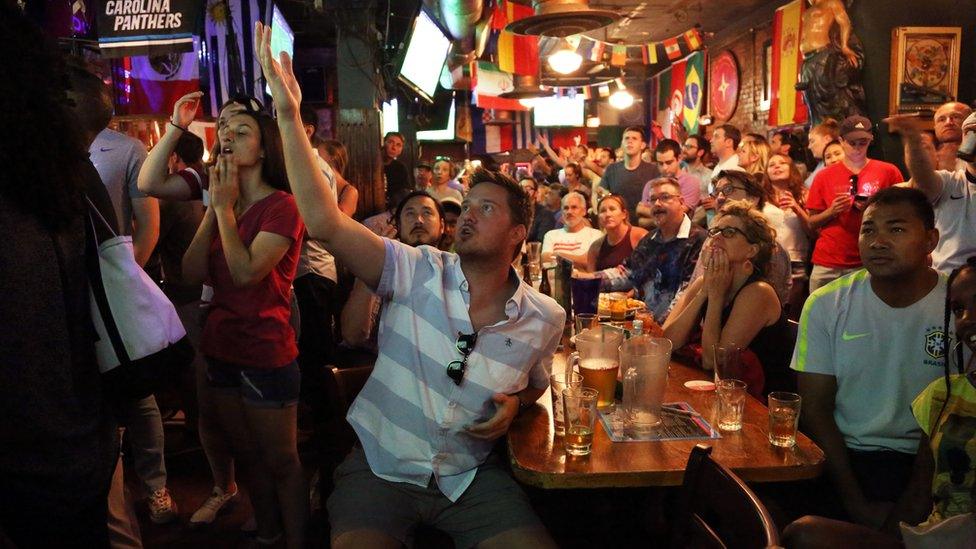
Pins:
x: 565, y: 61
x: 528, y: 102
x: 593, y: 122
x: 621, y: 99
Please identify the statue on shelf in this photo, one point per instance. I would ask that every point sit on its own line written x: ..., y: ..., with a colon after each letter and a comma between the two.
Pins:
x: 830, y: 77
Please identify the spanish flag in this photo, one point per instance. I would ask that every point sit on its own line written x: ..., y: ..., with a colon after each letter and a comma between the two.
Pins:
x: 786, y: 104
x: 518, y: 54
x: 692, y: 39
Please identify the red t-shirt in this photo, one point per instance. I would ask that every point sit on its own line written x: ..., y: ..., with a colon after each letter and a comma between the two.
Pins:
x: 249, y: 326
x: 837, y: 246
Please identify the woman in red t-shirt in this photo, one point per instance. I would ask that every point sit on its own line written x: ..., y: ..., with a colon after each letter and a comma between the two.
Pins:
x: 247, y: 248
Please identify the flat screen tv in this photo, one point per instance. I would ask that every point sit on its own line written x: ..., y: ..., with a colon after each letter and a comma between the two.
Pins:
x: 391, y: 116
x: 424, y: 56
x: 559, y: 111
x: 445, y: 134
x: 282, y: 38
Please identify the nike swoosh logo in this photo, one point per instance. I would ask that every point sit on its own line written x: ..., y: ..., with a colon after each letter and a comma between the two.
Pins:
x: 850, y: 337
x: 955, y: 197
x: 103, y: 149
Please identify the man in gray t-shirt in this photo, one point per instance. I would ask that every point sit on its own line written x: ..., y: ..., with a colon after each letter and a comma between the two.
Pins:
x: 118, y: 159
x: 628, y: 177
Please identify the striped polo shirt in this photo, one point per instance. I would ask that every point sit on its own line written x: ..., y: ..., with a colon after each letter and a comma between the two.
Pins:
x: 410, y: 417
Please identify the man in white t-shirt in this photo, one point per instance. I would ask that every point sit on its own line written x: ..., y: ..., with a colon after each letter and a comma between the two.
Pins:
x: 868, y: 343
x: 725, y: 141
x: 573, y: 240
x: 951, y: 193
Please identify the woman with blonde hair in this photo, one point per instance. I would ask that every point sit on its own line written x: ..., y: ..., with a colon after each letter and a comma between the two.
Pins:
x: 753, y: 156
x: 334, y: 152
x: 733, y: 304
x: 620, y: 236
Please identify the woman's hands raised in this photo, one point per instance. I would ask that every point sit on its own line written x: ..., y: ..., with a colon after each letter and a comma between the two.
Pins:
x: 281, y: 79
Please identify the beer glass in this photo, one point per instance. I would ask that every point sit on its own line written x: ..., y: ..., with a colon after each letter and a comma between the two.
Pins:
x: 580, y: 416
x: 731, y: 403
x: 727, y: 362
x: 784, y: 414
x: 598, y: 358
x: 534, y: 250
x: 586, y: 294
x: 557, y: 383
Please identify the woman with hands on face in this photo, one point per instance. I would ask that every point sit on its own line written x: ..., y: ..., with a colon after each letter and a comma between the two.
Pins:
x: 247, y: 248
x: 732, y: 304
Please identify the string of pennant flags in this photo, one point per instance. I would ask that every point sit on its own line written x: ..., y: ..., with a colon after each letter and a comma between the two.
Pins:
x: 520, y: 54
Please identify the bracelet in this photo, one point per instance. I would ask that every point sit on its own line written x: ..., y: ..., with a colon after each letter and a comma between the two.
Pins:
x: 170, y: 122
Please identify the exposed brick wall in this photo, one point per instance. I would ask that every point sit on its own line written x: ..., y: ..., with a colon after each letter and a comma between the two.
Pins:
x: 748, y: 51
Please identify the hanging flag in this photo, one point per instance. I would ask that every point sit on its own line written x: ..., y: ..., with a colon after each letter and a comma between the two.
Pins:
x: 618, y: 56
x: 156, y: 82
x: 588, y: 93
x: 147, y: 28
x: 676, y: 100
x: 693, y: 39
x: 650, y: 53
x: 786, y: 104
x: 518, y: 54
x: 596, y: 54
x: 672, y: 48
x: 694, y: 77
x: 229, y: 49
x: 488, y: 83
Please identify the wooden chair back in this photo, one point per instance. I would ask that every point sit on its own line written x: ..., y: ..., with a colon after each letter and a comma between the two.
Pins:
x: 717, y: 509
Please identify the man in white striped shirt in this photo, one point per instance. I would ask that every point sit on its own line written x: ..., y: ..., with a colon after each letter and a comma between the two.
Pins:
x: 464, y: 344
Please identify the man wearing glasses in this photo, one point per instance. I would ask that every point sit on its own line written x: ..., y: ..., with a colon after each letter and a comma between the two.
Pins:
x: 837, y: 199
x: 663, y: 261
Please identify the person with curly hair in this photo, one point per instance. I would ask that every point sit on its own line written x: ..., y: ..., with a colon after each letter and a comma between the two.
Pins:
x: 732, y: 304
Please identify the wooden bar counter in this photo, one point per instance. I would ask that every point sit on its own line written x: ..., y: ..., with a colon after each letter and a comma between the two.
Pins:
x: 538, y: 458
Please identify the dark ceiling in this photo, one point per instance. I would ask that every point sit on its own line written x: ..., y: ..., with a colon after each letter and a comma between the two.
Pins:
x: 642, y: 21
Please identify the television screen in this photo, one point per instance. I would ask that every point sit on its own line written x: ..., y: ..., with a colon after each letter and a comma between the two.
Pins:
x: 282, y: 38
x: 559, y: 111
x: 445, y: 134
x: 391, y: 117
x: 424, y: 56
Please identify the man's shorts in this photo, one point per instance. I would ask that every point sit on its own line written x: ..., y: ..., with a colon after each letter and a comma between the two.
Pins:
x: 261, y: 387
x: 492, y: 504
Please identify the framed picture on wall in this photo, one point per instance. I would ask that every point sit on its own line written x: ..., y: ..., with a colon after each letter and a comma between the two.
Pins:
x: 924, y: 68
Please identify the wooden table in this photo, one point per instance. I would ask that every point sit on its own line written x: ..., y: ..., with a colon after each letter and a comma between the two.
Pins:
x: 538, y: 459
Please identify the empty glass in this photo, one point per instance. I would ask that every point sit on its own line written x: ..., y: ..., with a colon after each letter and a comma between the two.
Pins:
x: 557, y: 384
x: 731, y: 403
x: 534, y: 251
x: 784, y: 415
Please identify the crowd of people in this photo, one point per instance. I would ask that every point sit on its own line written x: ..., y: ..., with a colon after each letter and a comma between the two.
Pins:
x: 727, y: 240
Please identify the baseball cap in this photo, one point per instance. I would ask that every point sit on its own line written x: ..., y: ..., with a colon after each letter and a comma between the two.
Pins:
x: 856, y: 127
x: 451, y: 204
x: 424, y: 164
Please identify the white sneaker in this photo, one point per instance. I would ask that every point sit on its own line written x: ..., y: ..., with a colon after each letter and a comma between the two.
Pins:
x: 162, y: 508
x: 211, y: 506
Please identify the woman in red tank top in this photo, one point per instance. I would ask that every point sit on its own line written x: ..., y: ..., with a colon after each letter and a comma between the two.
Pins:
x: 620, y: 238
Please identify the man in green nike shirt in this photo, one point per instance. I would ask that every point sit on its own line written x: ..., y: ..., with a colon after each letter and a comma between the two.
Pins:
x: 868, y: 343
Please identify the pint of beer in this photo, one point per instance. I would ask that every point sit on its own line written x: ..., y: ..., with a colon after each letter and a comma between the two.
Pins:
x: 601, y: 374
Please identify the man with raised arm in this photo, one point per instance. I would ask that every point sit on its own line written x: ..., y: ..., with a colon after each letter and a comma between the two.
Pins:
x: 951, y: 193
x: 464, y: 344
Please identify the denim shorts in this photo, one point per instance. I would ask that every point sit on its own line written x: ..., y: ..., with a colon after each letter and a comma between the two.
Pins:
x: 261, y: 387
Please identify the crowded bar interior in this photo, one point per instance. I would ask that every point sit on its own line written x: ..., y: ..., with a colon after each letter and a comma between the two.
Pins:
x: 488, y: 273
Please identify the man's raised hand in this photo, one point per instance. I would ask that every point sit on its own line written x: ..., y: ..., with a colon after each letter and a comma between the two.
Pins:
x: 281, y: 79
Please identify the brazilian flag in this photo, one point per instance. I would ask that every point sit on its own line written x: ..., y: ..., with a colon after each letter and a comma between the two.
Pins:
x: 694, y: 91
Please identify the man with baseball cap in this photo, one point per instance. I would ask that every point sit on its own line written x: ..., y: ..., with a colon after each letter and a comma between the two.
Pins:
x: 837, y: 199
x: 949, y: 191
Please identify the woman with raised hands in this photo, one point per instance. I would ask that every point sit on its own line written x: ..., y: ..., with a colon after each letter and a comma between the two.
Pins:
x: 247, y: 247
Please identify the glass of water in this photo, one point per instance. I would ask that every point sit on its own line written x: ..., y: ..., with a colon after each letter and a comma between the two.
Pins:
x: 557, y: 383
x: 731, y: 403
